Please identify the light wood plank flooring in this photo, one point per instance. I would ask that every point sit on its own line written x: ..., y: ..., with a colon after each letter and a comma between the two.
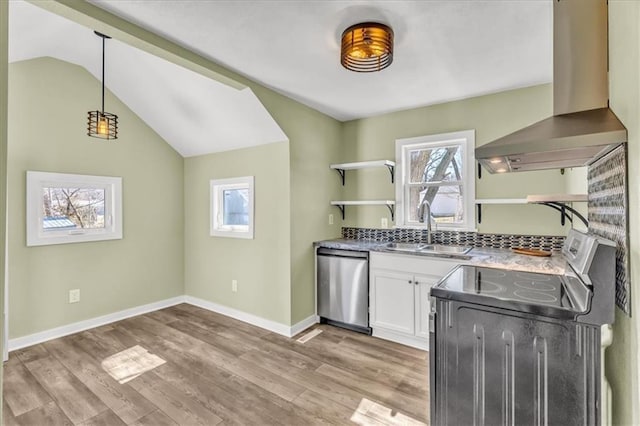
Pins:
x: 217, y: 371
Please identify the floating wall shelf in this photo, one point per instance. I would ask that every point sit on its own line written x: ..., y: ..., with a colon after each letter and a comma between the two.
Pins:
x: 555, y: 201
x: 557, y: 198
x: 501, y: 201
x: 391, y: 205
x: 341, y: 168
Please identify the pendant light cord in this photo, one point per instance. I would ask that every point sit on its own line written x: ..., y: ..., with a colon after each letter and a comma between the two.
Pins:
x: 103, y: 75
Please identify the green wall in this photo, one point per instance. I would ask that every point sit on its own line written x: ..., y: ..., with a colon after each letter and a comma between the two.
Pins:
x: 314, y: 143
x: 294, y: 186
x: 623, y: 358
x: 48, y: 104
x: 261, y: 265
x: 491, y: 116
x: 4, y: 71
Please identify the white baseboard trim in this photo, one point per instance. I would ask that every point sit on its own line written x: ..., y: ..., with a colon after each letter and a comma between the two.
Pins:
x: 275, y: 327
x: 76, y: 327
x: 303, y: 325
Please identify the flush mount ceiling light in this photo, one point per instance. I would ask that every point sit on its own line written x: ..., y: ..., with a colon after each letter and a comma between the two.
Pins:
x: 367, y: 47
x: 102, y: 124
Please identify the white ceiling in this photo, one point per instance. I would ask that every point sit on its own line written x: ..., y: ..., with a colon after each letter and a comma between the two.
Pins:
x: 444, y: 50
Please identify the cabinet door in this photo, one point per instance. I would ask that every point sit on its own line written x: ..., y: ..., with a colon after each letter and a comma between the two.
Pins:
x: 423, y: 287
x: 391, y: 298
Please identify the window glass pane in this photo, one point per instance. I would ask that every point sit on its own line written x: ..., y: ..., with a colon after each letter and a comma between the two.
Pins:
x: 236, y: 206
x: 446, y: 203
x: 67, y: 208
x: 435, y: 165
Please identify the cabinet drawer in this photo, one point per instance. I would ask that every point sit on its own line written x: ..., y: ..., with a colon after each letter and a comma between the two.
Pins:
x: 412, y: 264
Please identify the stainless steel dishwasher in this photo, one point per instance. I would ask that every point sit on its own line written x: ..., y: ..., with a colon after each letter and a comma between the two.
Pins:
x: 343, y: 288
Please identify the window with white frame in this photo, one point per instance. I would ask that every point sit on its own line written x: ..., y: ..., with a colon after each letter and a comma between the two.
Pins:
x: 232, y: 207
x: 68, y: 208
x: 439, y: 170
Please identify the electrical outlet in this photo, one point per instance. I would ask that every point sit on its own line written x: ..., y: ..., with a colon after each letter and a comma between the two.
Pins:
x: 74, y: 295
x: 330, y: 219
x: 234, y: 286
x: 384, y: 222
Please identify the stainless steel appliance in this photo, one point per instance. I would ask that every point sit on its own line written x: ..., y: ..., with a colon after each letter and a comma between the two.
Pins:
x: 522, y: 348
x: 343, y: 288
x: 583, y: 128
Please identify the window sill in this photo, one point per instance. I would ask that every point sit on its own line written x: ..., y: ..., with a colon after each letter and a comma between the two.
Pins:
x: 233, y: 234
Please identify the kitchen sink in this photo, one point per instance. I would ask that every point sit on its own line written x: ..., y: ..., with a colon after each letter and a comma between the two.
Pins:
x: 440, y: 248
x: 405, y: 246
x: 427, y: 248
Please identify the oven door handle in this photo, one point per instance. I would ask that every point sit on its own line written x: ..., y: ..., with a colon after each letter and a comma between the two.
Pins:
x: 433, y: 367
x: 432, y: 315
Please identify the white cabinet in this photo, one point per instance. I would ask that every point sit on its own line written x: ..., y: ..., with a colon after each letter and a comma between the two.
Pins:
x: 391, y: 300
x: 399, y: 295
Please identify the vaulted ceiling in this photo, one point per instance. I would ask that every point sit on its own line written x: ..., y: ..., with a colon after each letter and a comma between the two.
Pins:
x: 444, y: 50
x: 194, y: 114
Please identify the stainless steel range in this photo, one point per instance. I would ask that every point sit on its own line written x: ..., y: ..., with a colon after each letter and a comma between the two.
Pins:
x: 515, y: 348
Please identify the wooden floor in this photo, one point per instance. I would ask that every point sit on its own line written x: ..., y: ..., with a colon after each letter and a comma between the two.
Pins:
x: 217, y: 371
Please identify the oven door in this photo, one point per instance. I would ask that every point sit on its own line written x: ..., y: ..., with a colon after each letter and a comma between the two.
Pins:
x: 494, y: 366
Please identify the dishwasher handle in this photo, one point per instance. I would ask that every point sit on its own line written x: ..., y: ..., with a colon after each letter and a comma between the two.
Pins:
x: 343, y: 253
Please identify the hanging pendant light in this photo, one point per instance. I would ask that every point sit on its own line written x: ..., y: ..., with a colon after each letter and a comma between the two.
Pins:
x: 103, y: 125
x: 367, y: 47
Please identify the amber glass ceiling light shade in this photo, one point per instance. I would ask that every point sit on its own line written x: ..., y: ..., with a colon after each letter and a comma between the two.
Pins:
x: 367, y: 47
x: 103, y: 125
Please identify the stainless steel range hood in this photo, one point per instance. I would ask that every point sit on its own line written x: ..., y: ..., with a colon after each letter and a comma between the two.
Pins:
x: 583, y: 128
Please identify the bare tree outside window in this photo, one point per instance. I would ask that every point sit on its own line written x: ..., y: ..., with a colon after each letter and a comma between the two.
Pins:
x: 436, y: 174
x: 440, y: 169
x: 65, y: 207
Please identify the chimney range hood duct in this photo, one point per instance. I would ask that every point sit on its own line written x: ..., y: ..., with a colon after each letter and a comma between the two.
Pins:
x: 583, y: 128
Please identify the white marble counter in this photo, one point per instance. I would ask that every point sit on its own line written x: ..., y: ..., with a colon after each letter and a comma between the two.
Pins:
x: 507, y: 259
x: 486, y: 257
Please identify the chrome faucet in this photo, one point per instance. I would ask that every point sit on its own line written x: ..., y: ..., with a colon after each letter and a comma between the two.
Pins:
x: 424, y: 215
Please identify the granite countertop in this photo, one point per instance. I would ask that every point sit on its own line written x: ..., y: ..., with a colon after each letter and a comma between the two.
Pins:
x: 482, y: 256
x: 345, y: 244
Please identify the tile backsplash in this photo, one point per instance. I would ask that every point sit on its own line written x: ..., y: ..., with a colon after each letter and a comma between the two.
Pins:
x: 474, y: 239
x: 608, y: 214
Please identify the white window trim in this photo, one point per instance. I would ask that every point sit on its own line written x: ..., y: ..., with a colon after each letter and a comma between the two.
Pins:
x: 467, y: 141
x: 37, y: 236
x: 217, y: 229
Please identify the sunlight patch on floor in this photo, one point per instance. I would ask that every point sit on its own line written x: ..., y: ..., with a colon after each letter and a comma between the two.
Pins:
x: 370, y: 412
x: 130, y: 363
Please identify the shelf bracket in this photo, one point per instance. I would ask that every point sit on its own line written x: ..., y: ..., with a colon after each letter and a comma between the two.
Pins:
x: 392, y: 210
x: 341, y: 207
x: 563, y: 208
x: 341, y: 173
x: 391, y: 169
